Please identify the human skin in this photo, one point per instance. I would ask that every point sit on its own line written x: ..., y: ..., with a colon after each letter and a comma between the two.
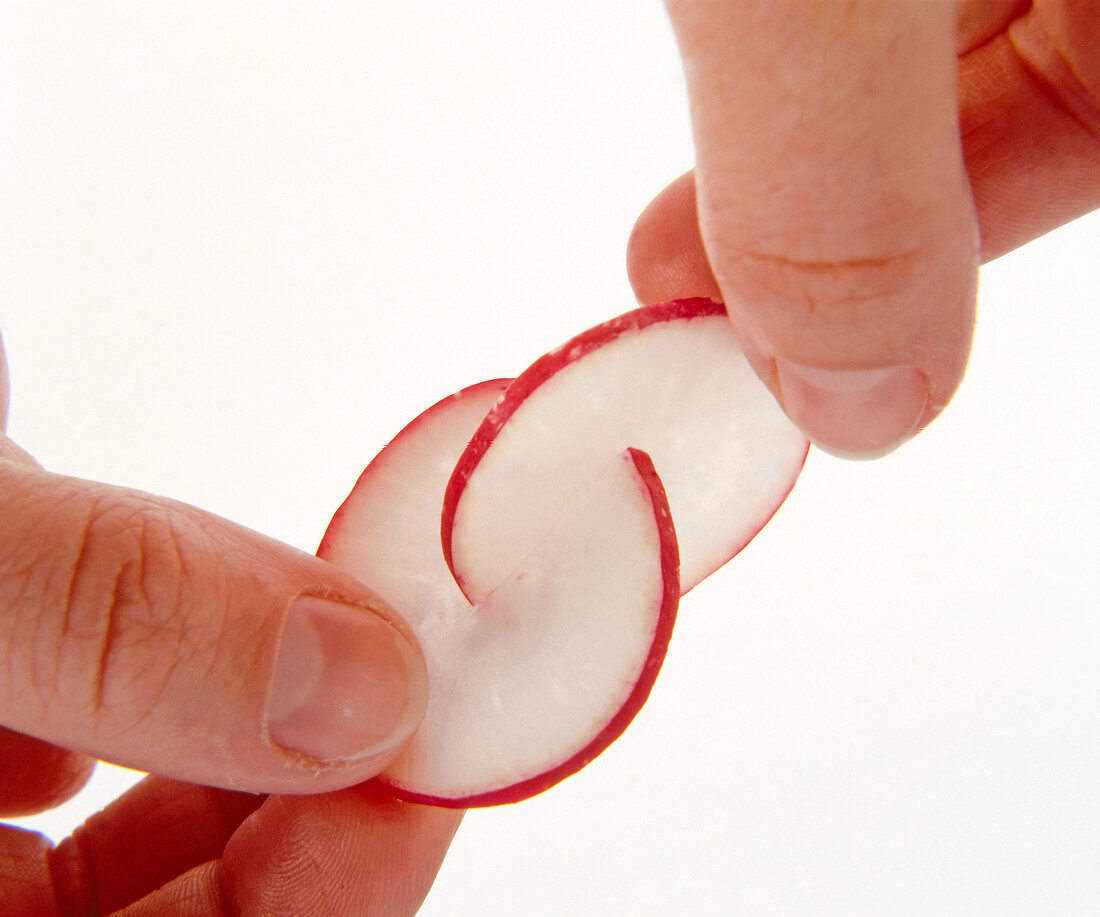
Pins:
x: 169, y: 847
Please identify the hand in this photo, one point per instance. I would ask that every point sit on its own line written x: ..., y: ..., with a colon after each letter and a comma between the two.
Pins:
x: 154, y: 635
x: 145, y: 632
x: 855, y: 162
x: 167, y: 847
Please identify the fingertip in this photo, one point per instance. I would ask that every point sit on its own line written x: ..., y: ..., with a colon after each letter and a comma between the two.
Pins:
x: 665, y: 256
x: 36, y: 776
x: 777, y: 306
x: 357, y: 851
x: 854, y: 413
x: 863, y: 356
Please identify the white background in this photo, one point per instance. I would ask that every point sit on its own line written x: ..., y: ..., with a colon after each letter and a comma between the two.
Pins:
x: 241, y: 246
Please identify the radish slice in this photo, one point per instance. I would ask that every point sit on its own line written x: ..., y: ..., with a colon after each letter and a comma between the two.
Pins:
x: 533, y: 683
x: 670, y: 379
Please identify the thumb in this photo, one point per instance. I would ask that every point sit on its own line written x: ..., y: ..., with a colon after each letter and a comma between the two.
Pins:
x: 835, y: 207
x: 151, y: 634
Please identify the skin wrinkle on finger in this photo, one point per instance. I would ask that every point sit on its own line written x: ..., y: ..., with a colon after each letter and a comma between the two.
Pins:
x: 828, y: 305
x: 199, y: 892
x: 109, y: 602
x: 15, y: 585
x: 850, y: 284
x: 24, y: 579
x: 110, y: 592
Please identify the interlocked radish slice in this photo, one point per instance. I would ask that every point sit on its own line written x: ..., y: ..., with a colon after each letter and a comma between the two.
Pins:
x: 669, y: 379
x: 532, y: 684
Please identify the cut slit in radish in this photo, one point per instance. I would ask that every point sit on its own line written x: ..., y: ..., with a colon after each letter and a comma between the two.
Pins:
x: 534, y: 682
x: 669, y: 379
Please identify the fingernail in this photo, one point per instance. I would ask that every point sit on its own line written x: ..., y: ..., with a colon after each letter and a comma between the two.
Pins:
x: 854, y: 413
x: 346, y: 683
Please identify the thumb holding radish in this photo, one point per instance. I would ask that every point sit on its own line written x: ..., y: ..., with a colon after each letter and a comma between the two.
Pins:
x: 847, y: 156
x: 146, y: 632
x: 834, y: 207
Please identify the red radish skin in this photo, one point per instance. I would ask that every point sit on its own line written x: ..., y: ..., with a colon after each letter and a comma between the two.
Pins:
x: 789, y: 446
